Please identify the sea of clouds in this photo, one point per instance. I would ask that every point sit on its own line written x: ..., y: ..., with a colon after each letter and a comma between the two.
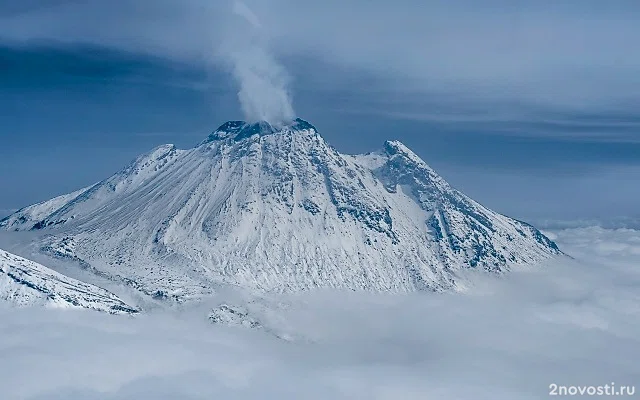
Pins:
x: 574, y: 321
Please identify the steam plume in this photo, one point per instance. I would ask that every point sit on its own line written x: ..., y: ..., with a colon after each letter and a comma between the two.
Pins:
x: 263, y: 81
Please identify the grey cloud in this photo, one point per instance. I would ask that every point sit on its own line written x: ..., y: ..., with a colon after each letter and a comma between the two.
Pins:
x: 571, y: 53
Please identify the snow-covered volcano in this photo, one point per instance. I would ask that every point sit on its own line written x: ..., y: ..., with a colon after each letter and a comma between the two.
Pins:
x: 277, y: 208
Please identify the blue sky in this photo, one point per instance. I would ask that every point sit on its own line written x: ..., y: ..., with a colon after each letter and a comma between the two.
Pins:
x: 530, y: 108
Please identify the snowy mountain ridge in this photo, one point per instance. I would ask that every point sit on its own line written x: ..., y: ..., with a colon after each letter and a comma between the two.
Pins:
x: 27, y: 283
x: 278, y: 209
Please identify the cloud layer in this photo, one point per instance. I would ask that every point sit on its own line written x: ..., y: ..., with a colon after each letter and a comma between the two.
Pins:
x: 571, y: 54
x: 573, y: 322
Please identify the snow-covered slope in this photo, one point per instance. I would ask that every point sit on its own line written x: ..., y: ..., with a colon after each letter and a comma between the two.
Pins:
x: 27, y: 283
x: 35, y: 213
x: 279, y: 209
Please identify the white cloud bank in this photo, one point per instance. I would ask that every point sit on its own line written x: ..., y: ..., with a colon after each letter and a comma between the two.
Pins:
x: 575, y: 322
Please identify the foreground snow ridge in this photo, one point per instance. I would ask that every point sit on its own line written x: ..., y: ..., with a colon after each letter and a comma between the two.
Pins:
x: 278, y: 209
x: 27, y: 283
